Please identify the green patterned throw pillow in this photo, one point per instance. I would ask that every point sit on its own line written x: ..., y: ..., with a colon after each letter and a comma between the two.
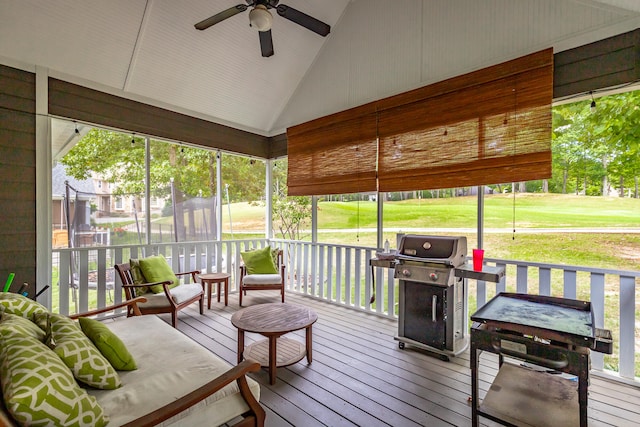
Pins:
x: 39, y: 390
x: 138, y: 277
x: 156, y: 269
x: 20, y: 305
x: 78, y: 352
x: 14, y: 322
x: 109, y: 344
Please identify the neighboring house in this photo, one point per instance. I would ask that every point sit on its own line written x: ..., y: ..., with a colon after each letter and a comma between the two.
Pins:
x: 107, y: 203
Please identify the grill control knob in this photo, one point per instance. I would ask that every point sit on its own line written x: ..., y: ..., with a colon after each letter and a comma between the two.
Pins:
x: 406, y: 272
x: 433, y: 276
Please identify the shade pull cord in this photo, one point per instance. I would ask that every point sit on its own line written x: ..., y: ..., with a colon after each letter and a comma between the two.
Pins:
x: 513, y: 237
x: 358, y: 220
x: 515, y: 144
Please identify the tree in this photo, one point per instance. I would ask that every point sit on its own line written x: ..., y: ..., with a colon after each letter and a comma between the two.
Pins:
x: 290, y: 212
x: 597, y: 146
x: 120, y: 161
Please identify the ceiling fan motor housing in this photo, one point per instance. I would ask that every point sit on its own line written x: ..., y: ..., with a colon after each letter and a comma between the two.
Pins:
x: 260, y: 18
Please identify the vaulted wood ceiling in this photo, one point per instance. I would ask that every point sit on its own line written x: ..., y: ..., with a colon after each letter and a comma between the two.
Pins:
x: 148, y: 50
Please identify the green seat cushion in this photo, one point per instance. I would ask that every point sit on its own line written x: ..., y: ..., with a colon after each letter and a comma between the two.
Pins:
x: 38, y: 388
x: 78, y: 352
x: 157, y: 269
x: 21, y: 325
x: 138, y: 277
x: 108, y: 343
x: 259, y: 261
x: 20, y: 305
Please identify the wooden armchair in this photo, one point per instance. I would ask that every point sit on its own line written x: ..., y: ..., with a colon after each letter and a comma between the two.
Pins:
x: 171, y: 300
x: 253, y: 282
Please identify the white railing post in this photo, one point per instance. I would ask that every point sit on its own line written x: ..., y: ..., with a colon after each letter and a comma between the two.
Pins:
x: 627, y: 326
x: 597, y: 306
x: 521, y: 279
x: 570, y: 284
x: 544, y: 281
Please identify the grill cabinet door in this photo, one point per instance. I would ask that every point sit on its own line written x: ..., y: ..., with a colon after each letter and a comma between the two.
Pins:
x: 419, y: 323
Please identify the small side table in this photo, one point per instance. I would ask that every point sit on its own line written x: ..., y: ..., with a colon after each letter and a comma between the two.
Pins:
x: 272, y: 321
x: 210, y: 279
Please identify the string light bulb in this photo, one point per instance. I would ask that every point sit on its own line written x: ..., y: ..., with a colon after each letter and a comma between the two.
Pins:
x: 593, y: 103
x: 77, y: 131
x: 133, y: 140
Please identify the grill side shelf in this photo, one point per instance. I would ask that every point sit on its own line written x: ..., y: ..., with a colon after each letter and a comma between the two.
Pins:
x: 488, y: 273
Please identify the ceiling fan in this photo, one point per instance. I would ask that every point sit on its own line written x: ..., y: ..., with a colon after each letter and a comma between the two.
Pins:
x: 261, y: 18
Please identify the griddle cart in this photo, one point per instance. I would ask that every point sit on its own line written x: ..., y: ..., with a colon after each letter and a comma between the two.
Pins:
x: 545, y: 338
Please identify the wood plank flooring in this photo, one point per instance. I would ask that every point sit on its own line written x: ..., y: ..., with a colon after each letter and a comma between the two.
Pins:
x: 359, y: 376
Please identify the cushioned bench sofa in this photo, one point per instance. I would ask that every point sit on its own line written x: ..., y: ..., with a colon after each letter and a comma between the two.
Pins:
x: 176, y: 382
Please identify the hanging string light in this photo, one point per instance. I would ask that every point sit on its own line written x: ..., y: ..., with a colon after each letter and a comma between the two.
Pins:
x: 77, y: 131
x: 133, y: 140
x: 593, y: 102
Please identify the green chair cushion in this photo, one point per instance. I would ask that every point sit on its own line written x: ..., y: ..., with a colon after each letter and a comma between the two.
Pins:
x: 20, y: 305
x: 259, y: 261
x: 157, y: 269
x: 108, y: 343
x: 78, y: 352
x: 39, y: 389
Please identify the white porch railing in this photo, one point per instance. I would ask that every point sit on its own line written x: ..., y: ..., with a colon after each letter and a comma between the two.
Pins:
x: 341, y: 274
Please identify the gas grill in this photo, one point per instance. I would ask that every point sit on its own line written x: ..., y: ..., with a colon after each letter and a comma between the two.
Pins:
x: 432, y: 300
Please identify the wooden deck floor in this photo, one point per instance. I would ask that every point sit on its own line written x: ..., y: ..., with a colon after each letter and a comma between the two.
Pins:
x: 359, y: 376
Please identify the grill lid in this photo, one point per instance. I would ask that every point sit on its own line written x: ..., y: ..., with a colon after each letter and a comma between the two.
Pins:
x: 451, y: 251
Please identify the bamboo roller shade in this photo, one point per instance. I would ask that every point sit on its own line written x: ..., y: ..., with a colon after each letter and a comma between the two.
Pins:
x: 485, y: 127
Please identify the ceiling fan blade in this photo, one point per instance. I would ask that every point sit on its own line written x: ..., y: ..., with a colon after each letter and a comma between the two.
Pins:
x: 219, y: 17
x: 266, y: 43
x: 303, y: 19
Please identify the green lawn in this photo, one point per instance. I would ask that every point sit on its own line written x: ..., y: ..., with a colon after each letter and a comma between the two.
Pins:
x: 354, y: 223
x: 531, y: 211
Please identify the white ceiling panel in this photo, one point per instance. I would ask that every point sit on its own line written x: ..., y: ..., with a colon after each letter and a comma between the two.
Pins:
x: 91, y: 39
x: 398, y: 46
x: 220, y: 70
x: 149, y: 49
x: 630, y: 5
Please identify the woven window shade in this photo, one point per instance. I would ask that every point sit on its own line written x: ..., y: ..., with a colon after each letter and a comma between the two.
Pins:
x: 333, y: 155
x: 486, y: 127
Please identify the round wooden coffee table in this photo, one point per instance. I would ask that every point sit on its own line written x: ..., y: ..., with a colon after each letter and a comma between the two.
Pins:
x: 210, y: 279
x: 274, y: 320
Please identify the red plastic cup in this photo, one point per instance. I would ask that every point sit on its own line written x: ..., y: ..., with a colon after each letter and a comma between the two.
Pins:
x: 478, y: 257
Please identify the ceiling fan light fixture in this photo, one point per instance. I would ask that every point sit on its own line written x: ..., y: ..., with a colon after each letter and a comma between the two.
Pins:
x: 260, y: 18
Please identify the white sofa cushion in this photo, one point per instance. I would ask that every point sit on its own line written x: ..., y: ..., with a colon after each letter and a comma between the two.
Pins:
x: 177, y: 367
x: 262, y: 279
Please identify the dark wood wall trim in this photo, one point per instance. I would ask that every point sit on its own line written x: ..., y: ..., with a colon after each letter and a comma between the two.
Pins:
x: 18, y: 176
x: 80, y: 103
x: 603, y: 64
x: 278, y: 146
